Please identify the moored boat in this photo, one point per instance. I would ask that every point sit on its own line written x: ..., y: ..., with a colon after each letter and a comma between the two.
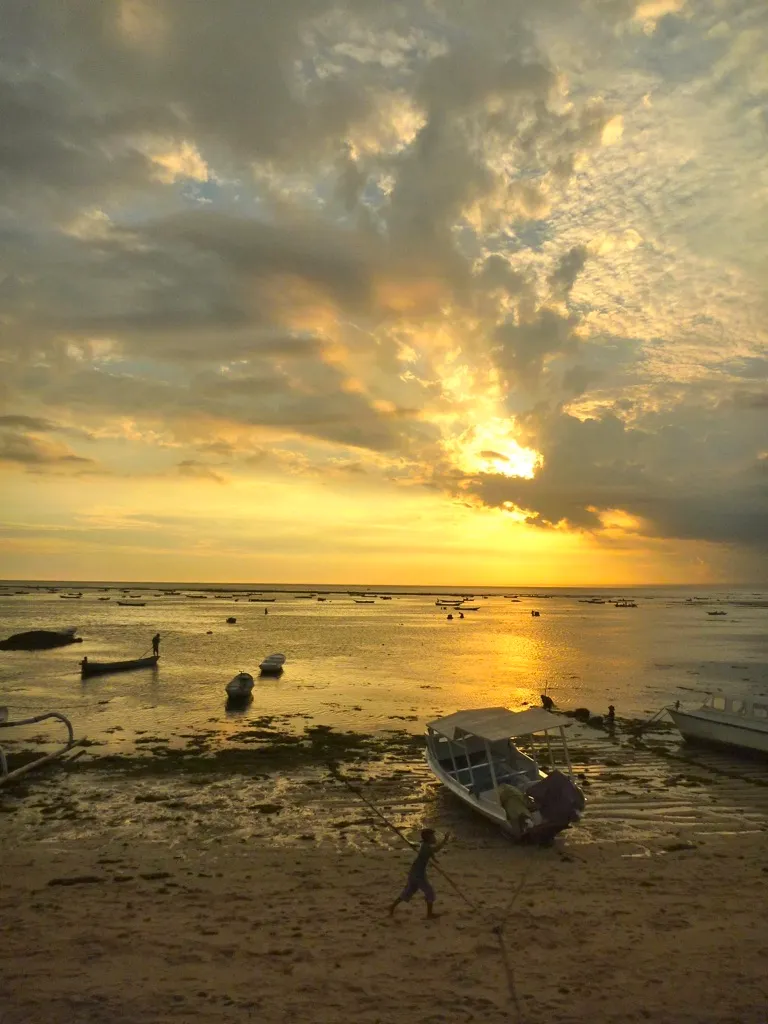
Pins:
x: 726, y: 722
x: 272, y: 665
x: 240, y: 686
x: 100, y: 668
x: 132, y: 604
x: 473, y: 754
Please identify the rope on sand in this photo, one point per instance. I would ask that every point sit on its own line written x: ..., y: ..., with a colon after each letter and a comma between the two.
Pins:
x: 497, y: 929
x: 333, y: 769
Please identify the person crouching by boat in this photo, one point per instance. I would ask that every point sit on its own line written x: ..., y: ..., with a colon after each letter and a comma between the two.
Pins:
x: 156, y: 645
x: 559, y: 802
x: 417, y: 876
x: 518, y: 809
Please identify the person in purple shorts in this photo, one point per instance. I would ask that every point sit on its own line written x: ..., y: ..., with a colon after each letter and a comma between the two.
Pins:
x: 417, y: 876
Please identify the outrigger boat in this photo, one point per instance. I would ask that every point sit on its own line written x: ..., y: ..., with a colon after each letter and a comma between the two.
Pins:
x: 7, y: 775
x: 100, y: 668
x: 473, y: 754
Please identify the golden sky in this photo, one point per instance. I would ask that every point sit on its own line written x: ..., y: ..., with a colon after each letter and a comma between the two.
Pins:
x: 431, y: 292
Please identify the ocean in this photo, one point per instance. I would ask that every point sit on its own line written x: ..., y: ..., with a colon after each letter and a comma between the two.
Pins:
x: 380, y: 669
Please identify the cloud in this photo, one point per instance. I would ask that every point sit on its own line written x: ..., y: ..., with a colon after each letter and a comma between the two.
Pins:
x: 394, y: 241
x: 200, y: 470
x: 38, y: 455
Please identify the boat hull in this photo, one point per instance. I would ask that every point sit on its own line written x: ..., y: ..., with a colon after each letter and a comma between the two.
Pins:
x: 701, y: 728
x: 101, y: 668
x: 240, y: 687
x: 492, y: 810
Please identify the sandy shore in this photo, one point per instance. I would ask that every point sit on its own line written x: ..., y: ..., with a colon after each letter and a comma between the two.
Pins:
x: 125, y: 933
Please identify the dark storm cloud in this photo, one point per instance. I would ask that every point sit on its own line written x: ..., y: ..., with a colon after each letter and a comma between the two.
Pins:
x: 673, y: 480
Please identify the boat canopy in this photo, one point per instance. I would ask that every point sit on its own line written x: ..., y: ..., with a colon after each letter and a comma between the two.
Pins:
x: 497, y: 723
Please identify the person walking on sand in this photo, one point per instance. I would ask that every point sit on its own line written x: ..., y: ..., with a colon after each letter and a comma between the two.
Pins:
x: 417, y: 876
x: 156, y: 645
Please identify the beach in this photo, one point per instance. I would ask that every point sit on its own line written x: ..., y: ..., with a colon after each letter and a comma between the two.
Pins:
x: 145, y: 933
x: 187, y: 862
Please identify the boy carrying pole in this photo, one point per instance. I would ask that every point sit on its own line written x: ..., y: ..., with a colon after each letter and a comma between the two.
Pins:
x: 417, y: 876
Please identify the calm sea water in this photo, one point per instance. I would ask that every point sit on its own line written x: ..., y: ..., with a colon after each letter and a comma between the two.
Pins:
x: 391, y: 664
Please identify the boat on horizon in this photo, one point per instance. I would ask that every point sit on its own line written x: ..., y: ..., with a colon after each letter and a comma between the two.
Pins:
x: 724, y: 721
x: 101, y: 668
x: 132, y: 604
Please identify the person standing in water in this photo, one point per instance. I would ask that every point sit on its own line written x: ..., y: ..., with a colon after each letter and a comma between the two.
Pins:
x: 156, y: 645
x: 417, y: 876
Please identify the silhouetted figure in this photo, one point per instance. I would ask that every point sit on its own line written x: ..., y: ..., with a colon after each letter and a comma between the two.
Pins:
x: 611, y: 715
x: 677, y: 705
x: 156, y: 645
x: 449, y: 616
x: 417, y: 876
x: 266, y: 611
x: 461, y: 615
x: 546, y: 702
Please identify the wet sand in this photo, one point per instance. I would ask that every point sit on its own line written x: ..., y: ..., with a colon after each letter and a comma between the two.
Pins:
x: 131, y: 932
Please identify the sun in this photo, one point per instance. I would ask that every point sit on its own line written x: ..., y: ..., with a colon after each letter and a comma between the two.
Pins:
x: 490, y: 447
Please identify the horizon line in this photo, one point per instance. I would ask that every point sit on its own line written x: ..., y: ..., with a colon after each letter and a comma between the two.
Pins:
x: 200, y: 584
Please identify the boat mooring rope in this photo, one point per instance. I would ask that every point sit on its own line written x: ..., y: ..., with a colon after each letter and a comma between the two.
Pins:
x: 514, y: 1009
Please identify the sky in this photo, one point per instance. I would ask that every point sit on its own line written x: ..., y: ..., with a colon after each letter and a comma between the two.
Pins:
x: 404, y: 293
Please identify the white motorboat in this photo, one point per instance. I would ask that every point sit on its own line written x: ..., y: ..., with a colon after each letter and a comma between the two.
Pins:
x: 727, y: 722
x: 272, y: 665
x: 473, y: 754
x: 240, y: 686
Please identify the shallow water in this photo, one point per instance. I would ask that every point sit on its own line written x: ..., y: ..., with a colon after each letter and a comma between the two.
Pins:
x: 370, y: 668
x: 397, y: 662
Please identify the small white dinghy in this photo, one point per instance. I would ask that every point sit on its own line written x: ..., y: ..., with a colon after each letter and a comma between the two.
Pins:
x: 240, y: 686
x: 272, y: 665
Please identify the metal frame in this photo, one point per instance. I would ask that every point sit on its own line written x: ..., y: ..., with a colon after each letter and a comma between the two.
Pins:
x: 5, y: 775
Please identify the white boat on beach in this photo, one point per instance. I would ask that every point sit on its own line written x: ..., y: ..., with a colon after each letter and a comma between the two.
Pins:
x: 473, y: 754
x: 272, y: 665
x: 240, y: 686
x: 726, y: 722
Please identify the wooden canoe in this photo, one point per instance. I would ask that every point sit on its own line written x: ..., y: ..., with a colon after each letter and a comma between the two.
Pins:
x: 99, y: 668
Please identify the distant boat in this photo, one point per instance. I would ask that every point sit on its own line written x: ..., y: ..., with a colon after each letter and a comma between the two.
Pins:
x: 240, y: 686
x: 104, y: 598
x: 624, y: 603
x: 100, y: 668
x: 272, y: 665
x: 726, y: 722
x: 322, y: 599
x: 717, y: 613
x: 70, y: 597
x: 197, y: 597
x: 231, y: 620
x: 262, y: 600
x: 386, y: 597
x: 467, y: 608
x: 536, y: 615
x: 364, y: 600
x: 132, y: 604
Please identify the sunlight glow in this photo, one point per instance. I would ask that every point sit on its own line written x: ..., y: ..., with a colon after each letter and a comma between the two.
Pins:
x: 491, y: 448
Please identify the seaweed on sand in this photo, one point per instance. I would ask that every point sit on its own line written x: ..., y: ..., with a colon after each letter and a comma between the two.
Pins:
x: 265, y: 750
